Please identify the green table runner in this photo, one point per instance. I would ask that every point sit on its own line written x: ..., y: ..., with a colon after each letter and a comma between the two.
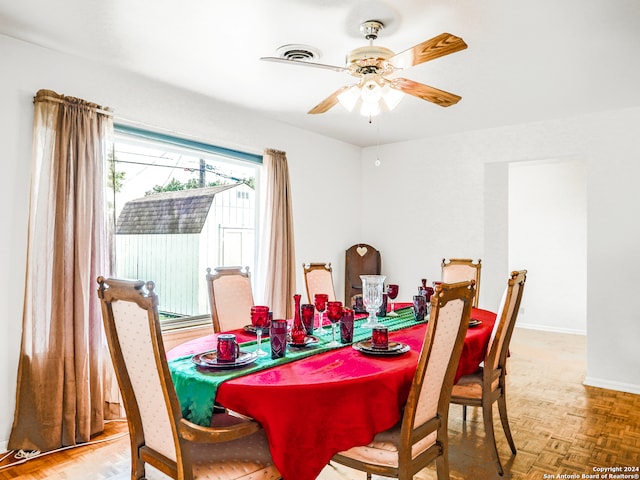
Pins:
x: 196, y: 388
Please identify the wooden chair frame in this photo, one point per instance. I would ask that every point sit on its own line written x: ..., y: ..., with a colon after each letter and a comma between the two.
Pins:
x: 475, y: 267
x: 310, y: 269
x: 489, y: 385
x: 410, y: 433
x: 184, y: 432
x: 219, y: 324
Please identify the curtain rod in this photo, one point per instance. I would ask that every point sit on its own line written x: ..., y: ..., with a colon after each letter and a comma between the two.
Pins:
x: 108, y: 113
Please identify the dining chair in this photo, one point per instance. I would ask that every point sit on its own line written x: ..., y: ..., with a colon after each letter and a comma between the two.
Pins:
x: 420, y: 437
x: 460, y: 270
x: 360, y: 259
x: 318, y: 278
x: 230, y: 297
x: 159, y: 436
x: 488, y: 385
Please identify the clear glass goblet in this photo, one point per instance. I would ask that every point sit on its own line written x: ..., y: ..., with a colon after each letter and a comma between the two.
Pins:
x: 372, y: 286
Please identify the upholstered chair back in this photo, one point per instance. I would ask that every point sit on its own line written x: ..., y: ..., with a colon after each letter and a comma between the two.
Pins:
x: 130, y: 318
x: 505, y: 321
x: 461, y: 270
x: 318, y: 278
x: 230, y: 297
x: 450, y: 313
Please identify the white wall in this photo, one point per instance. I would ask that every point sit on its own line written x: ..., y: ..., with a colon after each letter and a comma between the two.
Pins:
x: 613, y: 245
x: 548, y: 235
x: 313, y: 161
x: 449, y: 197
x: 422, y: 202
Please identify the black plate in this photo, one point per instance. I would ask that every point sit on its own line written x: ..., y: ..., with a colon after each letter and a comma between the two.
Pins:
x: 252, y: 329
x: 210, y: 360
x: 395, y: 348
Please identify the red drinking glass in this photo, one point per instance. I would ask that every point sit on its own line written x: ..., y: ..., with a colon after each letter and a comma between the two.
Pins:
x: 346, y: 326
x: 334, y: 313
x: 260, y: 316
x: 380, y: 338
x: 307, y: 310
x: 392, y: 293
x: 419, y: 308
x: 320, y: 301
x: 227, y: 348
x: 260, y: 321
x: 278, y: 334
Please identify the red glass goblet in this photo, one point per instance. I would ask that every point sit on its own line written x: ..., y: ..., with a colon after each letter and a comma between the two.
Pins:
x: 392, y: 293
x: 320, y: 301
x: 334, y: 313
x: 307, y: 312
x: 260, y: 321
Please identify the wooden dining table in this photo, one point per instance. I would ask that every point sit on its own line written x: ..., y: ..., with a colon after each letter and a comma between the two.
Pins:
x: 319, y: 405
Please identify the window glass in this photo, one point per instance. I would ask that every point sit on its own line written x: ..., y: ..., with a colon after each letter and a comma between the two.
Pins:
x: 176, y: 212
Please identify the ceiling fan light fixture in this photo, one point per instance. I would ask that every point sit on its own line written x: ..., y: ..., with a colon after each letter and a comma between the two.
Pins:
x: 349, y: 97
x: 371, y: 92
x: 391, y: 97
x: 370, y: 109
x: 370, y: 97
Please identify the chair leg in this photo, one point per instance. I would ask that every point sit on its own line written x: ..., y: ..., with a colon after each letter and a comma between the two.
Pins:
x: 368, y: 476
x: 502, y: 408
x: 442, y: 467
x: 464, y: 413
x: 487, y: 413
x: 137, y: 467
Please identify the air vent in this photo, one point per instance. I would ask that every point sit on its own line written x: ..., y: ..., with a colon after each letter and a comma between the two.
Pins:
x: 301, y: 53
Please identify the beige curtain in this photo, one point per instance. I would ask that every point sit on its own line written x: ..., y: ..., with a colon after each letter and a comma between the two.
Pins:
x: 60, y: 398
x: 277, y: 261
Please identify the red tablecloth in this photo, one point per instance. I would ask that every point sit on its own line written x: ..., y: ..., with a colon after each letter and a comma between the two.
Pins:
x: 315, y: 407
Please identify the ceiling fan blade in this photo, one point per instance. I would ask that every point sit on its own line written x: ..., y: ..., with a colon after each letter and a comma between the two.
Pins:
x: 328, y: 102
x: 443, y: 44
x: 425, y: 92
x: 304, y: 64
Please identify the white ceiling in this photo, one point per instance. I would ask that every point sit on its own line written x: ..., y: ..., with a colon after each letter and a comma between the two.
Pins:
x: 526, y: 61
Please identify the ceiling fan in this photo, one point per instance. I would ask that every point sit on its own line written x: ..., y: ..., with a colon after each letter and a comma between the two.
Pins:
x: 375, y: 67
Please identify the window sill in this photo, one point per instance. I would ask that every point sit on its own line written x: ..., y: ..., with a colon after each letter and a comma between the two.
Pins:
x: 180, y: 334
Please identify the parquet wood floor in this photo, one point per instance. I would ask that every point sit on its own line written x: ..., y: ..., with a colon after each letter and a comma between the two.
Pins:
x: 560, y: 427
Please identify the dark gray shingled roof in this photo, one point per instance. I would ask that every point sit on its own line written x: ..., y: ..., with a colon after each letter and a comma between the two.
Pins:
x: 184, y: 211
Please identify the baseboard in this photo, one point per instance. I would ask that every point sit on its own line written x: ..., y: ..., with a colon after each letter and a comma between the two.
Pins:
x: 611, y: 385
x: 547, y: 328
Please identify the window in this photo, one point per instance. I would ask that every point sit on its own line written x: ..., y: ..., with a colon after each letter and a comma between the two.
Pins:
x: 180, y: 207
